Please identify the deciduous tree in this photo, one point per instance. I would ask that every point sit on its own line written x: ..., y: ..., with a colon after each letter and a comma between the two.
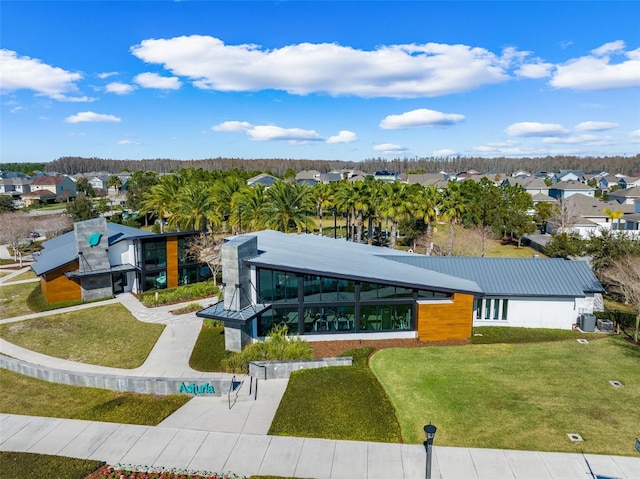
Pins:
x: 622, y: 277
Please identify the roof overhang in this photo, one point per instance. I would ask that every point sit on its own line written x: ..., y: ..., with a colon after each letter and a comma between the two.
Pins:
x: 231, y: 318
x: 100, y: 272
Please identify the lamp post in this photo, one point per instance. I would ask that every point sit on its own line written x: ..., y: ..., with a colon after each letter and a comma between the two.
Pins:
x: 334, y: 222
x: 430, y: 432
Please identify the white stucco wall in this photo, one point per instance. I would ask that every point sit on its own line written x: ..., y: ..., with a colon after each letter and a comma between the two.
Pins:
x: 122, y: 253
x: 557, y: 313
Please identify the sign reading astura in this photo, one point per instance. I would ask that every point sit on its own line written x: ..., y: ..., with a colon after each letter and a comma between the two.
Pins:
x: 195, y: 389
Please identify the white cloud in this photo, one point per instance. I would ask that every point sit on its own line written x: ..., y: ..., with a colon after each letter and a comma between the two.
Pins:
x: 597, y: 72
x: 127, y: 142
x: 635, y: 136
x: 272, y: 132
x: 418, y: 118
x: 106, y: 75
x: 400, y: 71
x: 608, y: 48
x: 344, y: 136
x: 587, y: 140
x: 16, y: 109
x: 232, y: 126
x: 25, y: 73
x: 444, y: 153
x: 508, y: 149
x: 119, y: 88
x: 535, y: 70
x: 595, y: 126
x: 91, y: 117
x: 390, y: 149
x: 531, y: 128
x: 153, y: 80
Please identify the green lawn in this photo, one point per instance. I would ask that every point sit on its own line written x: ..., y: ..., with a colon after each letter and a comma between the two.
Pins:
x: 22, y: 276
x: 23, y: 465
x: 518, y: 396
x: 105, y: 335
x: 208, y: 352
x: 507, y: 334
x: 13, y: 299
x: 337, y: 403
x: 25, y: 395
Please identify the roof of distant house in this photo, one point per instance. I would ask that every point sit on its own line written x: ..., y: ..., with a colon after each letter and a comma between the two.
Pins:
x: 48, y: 180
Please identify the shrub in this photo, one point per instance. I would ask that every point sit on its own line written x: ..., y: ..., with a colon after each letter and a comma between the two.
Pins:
x: 180, y: 294
x: 625, y: 319
x: 276, y: 347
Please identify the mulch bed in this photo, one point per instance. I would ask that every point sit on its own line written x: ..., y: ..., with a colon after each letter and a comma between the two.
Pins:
x: 328, y: 349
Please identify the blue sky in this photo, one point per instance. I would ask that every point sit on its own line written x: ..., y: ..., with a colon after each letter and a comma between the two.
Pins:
x: 318, y: 80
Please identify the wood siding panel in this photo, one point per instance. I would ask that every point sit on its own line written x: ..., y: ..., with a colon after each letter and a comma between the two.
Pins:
x: 56, y: 287
x: 172, y: 261
x: 446, y: 320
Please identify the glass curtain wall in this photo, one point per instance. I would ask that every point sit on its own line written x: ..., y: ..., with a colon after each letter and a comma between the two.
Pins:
x: 310, y: 304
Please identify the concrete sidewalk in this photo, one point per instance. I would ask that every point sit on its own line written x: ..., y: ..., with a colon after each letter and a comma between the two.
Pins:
x: 248, y: 454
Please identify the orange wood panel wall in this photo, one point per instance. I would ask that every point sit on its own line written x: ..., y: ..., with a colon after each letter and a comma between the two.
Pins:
x: 56, y: 287
x: 446, y: 320
x: 172, y: 261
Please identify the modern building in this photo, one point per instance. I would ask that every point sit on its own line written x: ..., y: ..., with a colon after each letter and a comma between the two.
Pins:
x: 99, y: 259
x: 328, y: 289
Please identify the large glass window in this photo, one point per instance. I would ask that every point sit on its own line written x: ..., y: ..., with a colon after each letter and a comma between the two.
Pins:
x: 328, y: 305
x: 155, y: 254
x: 157, y: 280
x: 278, y: 286
x: 275, y: 316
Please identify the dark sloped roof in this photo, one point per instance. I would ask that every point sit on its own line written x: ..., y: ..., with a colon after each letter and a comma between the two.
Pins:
x: 514, y: 276
x: 342, y: 259
x: 61, y: 250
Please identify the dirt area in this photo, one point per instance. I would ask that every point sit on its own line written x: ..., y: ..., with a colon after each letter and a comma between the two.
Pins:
x: 328, y: 349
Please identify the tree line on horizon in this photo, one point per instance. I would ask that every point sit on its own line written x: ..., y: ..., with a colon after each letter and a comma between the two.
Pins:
x: 71, y: 165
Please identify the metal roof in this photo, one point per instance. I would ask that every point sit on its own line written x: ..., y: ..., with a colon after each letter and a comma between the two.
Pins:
x: 514, y: 276
x: 62, y: 249
x: 310, y: 254
x: 217, y: 311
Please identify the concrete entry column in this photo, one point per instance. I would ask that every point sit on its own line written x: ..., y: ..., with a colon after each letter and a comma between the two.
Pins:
x: 236, y: 277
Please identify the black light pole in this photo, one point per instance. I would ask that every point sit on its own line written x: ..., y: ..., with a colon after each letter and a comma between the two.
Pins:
x: 334, y: 223
x: 430, y: 432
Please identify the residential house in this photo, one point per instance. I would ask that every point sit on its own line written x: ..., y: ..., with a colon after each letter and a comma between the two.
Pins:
x: 46, y: 189
x: 564, y: 189
x: 329, y: 289
x: 531, y: 184
x: 262, y: 179
x: 99, y: 182
x: 588, y: 215
x: 626, y: 196
x: 387, y: 176
x: 99, y: 259
x: 438, y: 180
x: 571, y: 175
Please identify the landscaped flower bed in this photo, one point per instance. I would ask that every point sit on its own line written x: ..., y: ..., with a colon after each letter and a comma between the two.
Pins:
x: 130, y: 471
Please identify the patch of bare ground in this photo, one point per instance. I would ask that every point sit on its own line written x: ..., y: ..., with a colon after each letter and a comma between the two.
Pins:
x: 328, y: 349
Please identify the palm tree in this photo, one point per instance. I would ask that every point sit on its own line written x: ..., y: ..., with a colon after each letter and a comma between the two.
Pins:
x: 613, y: 215
x: 396, y: 205
x: 428, y: 201
x: 288, y: 206
x: 453, y: 208
x: 222, y: 192
x: 195, y: 208
x: 248, y: 208
x: 161, y: 199
x: 345, y: 202
x: 322, y: 193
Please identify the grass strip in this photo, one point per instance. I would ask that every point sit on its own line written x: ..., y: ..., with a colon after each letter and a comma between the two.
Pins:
x: 517, y: 396
x: 208, y: 352
x: 32, y: 397
x: 22, y: 276
x: 13, y: 299
x: 24, y: 465
x: 105, y: 335
x: 511, y: 335
x: 337, y: 403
